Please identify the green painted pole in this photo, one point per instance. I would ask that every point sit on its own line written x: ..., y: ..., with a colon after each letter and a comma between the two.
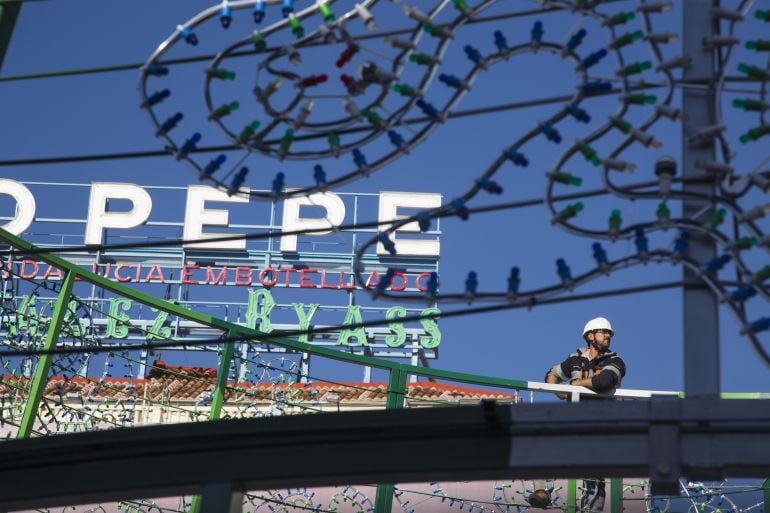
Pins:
x: 616, y: 495
x: 219, y: 390
x: 766, y: 487
x: 571, y: 496
x: 40, y: 379
x: 218, y: 399
x: 383, y: 502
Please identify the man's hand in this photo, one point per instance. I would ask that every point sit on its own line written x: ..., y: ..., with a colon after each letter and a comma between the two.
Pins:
x: 582, y: 382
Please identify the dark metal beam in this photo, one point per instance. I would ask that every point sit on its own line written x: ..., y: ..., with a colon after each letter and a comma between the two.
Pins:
x: 712, y: 438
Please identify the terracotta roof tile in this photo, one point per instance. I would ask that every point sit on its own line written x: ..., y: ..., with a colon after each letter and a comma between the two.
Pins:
x: 198, y: 382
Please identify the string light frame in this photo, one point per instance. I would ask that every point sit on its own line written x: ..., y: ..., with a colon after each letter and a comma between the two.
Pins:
x: 375, y: 122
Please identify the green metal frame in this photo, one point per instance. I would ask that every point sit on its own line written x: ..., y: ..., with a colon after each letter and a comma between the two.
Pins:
x: 40, y: 379
x: 398, y: 372
x: 572, y: 496
x: 396, y: 394
x: 217, y: 401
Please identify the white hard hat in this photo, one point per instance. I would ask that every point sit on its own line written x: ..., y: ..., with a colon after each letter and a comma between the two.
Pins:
x: 599, y: 323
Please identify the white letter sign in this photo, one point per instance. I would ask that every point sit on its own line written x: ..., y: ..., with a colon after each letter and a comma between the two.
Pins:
x: 390, y: 202
x: 99, y: 218
x: 335, y: 214
x: 197, y: 215
x: 25, y: 205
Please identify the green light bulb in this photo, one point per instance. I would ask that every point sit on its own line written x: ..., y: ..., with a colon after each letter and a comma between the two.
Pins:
x: 224, y: 110
x: 763, y: 273
x: 620, y: 19
x: 753, y: 71
x: 745, y: 243
x: 286, y: 141
x: 716, y: 218
x: 621, y: 124
x: 404, y: 90
x: 626, y: 39
x: 461, y: 5
x: 326, y: 12
x: 296, y: 27
x: 421, y: 59
x: 570, y: 211
x: 260, y: 45
x: 434, y: 30
x: 567, y: 179
x: 372, y: 117
x: 221, y: 74
x: 334, y: 141
x: 760, y: 45
x: 615, y: 221
x: 635, y: 68
x: 248, y: 132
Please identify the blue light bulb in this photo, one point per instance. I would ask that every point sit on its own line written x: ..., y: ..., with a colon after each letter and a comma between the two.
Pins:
x: 715, y: 264
x: 451, y: 80
x: 423, y: 220
x: 490, y: 186
x: 597, y: 87
x: 762, y: 324
x: 500, y: 42
x: 576, y: 39
x: 259, y: 11
x: 169, y: 124
x: 578, y: 113
x: 537, y: 32
x: 388, y: 244
x: 188, y: 146
x: 386, y: 280
x: 473, y: 54
x: 514, y: 282
x: 460, y: 209
x: 743, y: 293
x: 225, y: 15
x: 593, y: 59
x: 238, y: 180
x: 278, y: 184
x: 395, y: 139
x: 640, y: 239
x: 432, y: 285
x: 471, y: 284
x: 156, y: 70
x: 213, y: 166
x: 681, y: 244
x: 428, y: 109
x: 359, y: 159
x: 156, y: 98
x: 600, y: 255
x: 517, y: 158
x: 319, y: 175
x: 550, y: 132
x: 287, y: 8
x: 189, y: 36
x: 563, y: 270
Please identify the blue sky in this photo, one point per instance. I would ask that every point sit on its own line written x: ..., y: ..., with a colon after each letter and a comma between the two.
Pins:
x: 99, y: 113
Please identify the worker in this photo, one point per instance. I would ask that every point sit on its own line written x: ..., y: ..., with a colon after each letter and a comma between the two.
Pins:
x: 594, y: 367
